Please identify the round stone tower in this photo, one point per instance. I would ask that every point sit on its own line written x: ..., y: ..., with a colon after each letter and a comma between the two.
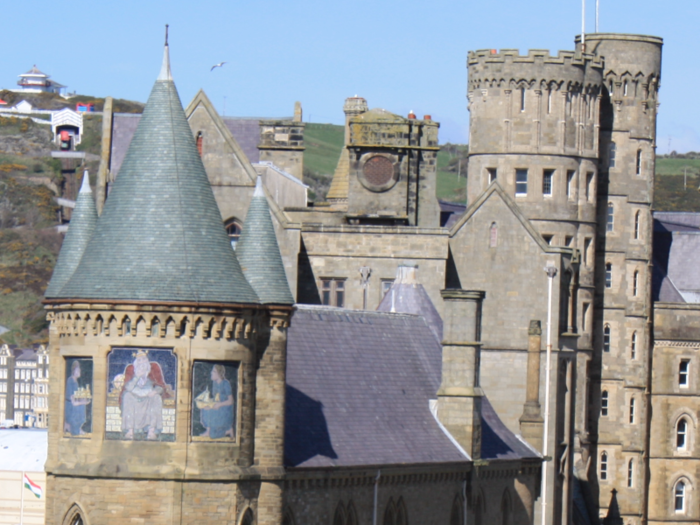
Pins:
x: 534, y: 129
x: 632, y: 66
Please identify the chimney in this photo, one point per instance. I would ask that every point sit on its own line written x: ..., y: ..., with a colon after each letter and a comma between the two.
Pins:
x: 531, y: 422
x: 459, y: 397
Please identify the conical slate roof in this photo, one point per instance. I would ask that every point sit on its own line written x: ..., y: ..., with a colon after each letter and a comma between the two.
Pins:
x: 82, y: 226
x: 259, y: 253
x: 160, y: 236
x: 407, y: 296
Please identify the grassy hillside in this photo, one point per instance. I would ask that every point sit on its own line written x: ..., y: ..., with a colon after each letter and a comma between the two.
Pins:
x: 671, y: 191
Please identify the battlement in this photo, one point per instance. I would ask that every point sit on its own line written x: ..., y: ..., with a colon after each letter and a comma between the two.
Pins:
x: 534, y: 56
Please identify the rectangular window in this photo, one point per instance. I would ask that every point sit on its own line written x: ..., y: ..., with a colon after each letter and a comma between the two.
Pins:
x: 608, y: 275
x: 587, y: 255
x: 570, y: 176
x: 386, y: 286
x: 493, y: 174
x: 639, y: 162
x: 632, y: 411
x: 604, y: 403
x: 333, y: 292
x: 590, y: 181
x: 610, y: 217
x: 547, y: 180
x: 521, y: 182
x: 522, y: 99
x: 548, y: 238
x: 683, y: 372
x: 613, y: 152
x: 584, y: 316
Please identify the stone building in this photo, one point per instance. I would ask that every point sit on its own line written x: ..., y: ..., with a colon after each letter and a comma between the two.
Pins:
x: 561, y: 172
x: 24, y: 375
x: 188, y: 388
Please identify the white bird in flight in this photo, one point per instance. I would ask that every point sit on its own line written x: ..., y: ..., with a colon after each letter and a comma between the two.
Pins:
x: 217, y: 65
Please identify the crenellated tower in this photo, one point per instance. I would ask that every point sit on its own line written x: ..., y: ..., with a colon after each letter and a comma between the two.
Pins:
x: 620, y: 370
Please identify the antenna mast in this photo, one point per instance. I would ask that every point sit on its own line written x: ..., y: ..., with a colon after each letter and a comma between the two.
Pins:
x: 583, y: 26
x: 597, y: 9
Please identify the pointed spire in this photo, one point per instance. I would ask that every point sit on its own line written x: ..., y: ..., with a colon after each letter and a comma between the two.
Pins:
x: 160, y: 236
x: 614, y: 517
x: 165, y: 74
x: 259, y: 252
x: 80, y: 230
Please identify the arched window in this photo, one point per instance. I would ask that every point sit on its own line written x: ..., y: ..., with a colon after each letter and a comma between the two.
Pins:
x: 288, y: 518
x: 247, y: 517
x: 604, y: 466
x: 493, y: 235
x: 682, y: 434
x: 606, y: 338
x: 610, y: 217
x: 613, y: 146
x: 608, y: 275
x: 234, y: 228
x: 679, y: 497
x: 633, y: 346
x: 127, y: 326
x: 350, y: 515
x: 635, y: 283
x: 630, y: 473
x: 200, y: 142
x: 155, y: 327
x: 639, y: 162
x: 339, y: 518
x: 632, y: 406
x: 604, y: 399
x: 636, y: 225
x: 456, y: 514
x: 522, y: 99
x: 401, y: 514
x: 390, y: 513
x: 506, y: 509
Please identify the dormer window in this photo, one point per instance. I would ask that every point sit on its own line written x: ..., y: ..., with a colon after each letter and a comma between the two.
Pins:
x: 234, y: 228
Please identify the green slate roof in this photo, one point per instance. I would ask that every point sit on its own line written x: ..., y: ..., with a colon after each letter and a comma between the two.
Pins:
x: 82, y: 226
x: 160, y: 236
x: 259, y: 253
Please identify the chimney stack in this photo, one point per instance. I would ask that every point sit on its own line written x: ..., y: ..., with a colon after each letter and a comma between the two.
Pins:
x: 531, y: 422
x: 459, y: 397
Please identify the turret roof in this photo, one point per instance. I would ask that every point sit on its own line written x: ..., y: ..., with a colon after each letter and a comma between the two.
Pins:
x: 259, y: 252
x: 82, y: 226
x: 160, y: 236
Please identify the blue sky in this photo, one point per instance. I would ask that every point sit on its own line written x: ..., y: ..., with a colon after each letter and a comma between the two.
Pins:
x: 400, y: 55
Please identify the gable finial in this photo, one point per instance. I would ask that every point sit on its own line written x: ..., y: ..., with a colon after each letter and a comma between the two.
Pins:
x: 166, y: 34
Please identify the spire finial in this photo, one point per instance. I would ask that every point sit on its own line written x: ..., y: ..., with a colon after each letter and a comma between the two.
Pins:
x: 85, y: 187
x: 258, y: 188
x: 165, y: 68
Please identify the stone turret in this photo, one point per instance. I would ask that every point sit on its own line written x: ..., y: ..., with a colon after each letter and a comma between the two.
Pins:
x: 82, y: 226
x: 259, y: 252
x: 167, y: 373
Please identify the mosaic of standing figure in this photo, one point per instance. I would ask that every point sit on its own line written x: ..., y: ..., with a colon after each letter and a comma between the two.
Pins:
x: 77, y: 419
x: 141, y: 397
x: 214, y: 407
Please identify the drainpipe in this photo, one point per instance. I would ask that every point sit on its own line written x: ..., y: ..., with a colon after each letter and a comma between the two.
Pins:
x: 551, y: 273
x: 376, y: 496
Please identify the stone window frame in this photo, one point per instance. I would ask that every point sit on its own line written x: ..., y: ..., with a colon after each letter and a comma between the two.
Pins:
x: 607, y: 337
x: 379, y: 188
x: 633, y: 345
x: 608, y: 275
x: 492, y: 175
x: 247, y: 517
x: 548, y: 182
x: 639, y: 163
x: 635, y: 283
x: 570, y: 183
x: 590, y: 186
x: 632, y: 410
x: 612, y: 152
x: 493, y: 235
x: 603, y: 465
x: 682, y: 434
x: 630, y: 473
x: 610, y: 218
x: 684, y: 374
x: 234, y: 229
x: 680, y: 496
x: 637, y: 225
x: 691, y: 420
x: 336, y: 289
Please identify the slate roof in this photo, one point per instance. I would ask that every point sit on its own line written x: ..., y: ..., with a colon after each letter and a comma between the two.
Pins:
x: 676, y: 277
x: 82, y: 226
x: 246, y: 131
x: 359, y: 389
x: 123, y: 128
x: 407, y: 296
x: 160, y: 236
x: 259, y: 253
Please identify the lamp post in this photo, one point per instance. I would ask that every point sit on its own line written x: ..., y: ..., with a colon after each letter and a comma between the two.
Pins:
x: 551, y: 273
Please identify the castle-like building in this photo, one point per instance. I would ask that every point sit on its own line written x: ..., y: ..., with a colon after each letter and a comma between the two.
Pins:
x: 555, y: 254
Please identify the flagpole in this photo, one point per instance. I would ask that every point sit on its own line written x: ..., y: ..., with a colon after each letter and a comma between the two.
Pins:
x: 583, y: 26
x: 597, y: 9
x: 21, y: 501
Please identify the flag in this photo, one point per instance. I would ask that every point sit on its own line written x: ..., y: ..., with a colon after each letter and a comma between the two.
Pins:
x: 36, y: 489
